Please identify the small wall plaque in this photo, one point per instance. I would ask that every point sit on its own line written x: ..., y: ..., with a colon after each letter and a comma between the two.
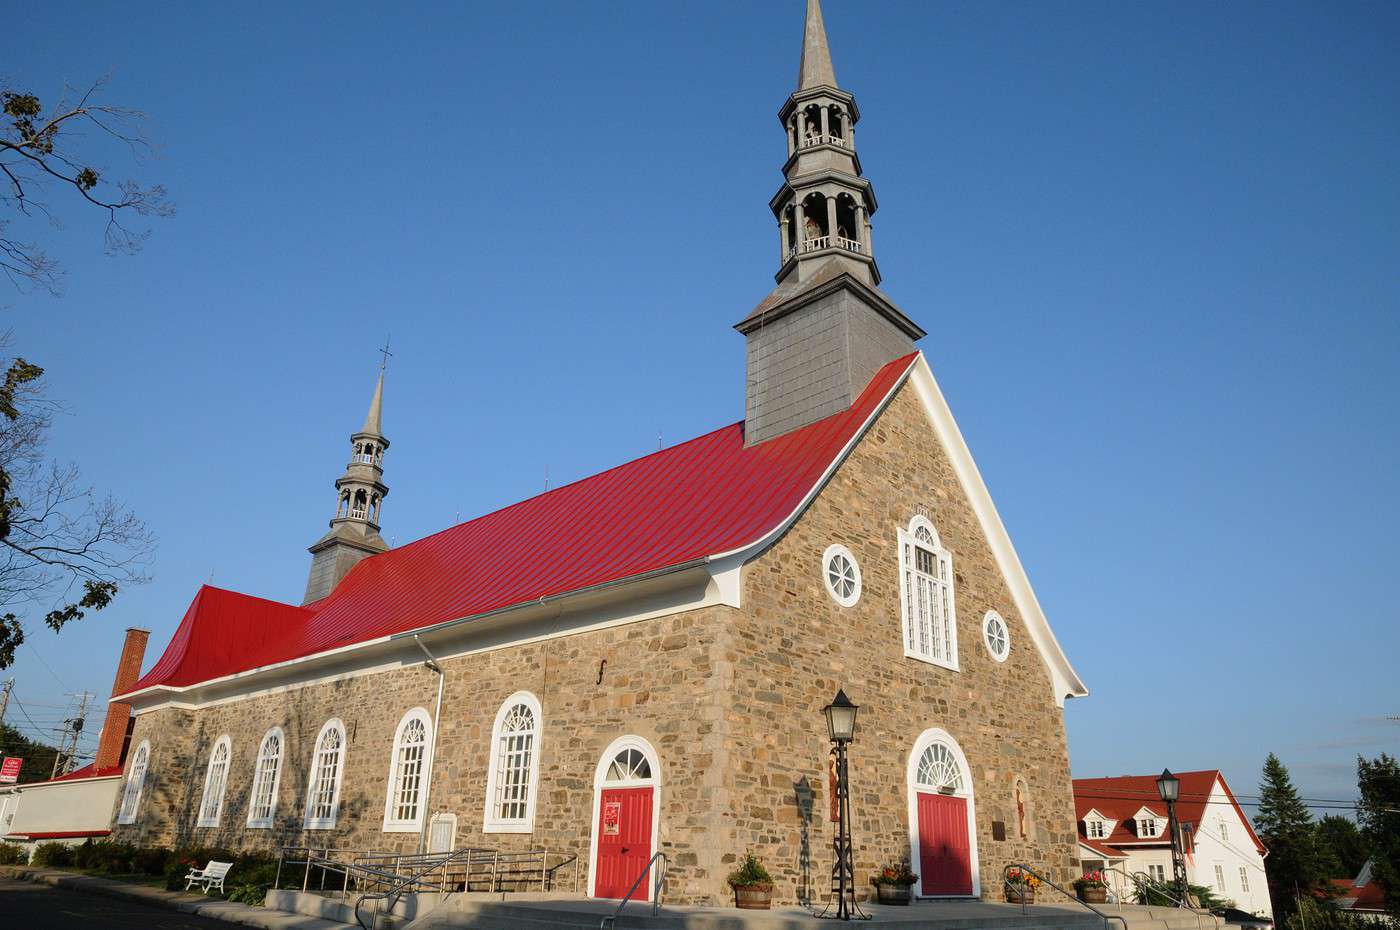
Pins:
x: 998, y: 830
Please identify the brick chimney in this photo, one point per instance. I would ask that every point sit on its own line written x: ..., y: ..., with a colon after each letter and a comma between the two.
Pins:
x: 113, y: 740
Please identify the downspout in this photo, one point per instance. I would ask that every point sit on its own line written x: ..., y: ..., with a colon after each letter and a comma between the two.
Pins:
x: 437, y: 712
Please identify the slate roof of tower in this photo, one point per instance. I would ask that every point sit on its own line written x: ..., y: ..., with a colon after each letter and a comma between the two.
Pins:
x: 1120, y: 798
x: 706, y: 497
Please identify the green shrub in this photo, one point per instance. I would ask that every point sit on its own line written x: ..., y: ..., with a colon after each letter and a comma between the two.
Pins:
x: 10, y: 854
x: 52, y: 856
x: 749, y: 873
x: 150, y: 861
x: 1316, y: 915
x: 249, y: 894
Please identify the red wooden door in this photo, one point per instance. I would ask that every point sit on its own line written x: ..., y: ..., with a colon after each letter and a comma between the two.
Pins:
x: 945, y: 856
x: 624, y: 842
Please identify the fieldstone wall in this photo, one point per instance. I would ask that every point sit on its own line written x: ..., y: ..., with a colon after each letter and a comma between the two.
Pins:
x: 796, y: 646
x: 731, y: 701
x: 658, y: 683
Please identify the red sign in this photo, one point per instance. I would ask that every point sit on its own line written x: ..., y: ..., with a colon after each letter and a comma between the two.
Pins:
x: 9, y: 770
x: 612, y: 817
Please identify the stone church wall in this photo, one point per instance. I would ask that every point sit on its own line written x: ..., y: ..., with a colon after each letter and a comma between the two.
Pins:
x: 796, y: 646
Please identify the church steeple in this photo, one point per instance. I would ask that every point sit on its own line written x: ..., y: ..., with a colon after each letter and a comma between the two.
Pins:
x: 360, y: 491
x: 816, y: 340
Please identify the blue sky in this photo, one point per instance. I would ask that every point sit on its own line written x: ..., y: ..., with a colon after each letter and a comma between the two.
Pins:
x: 1156, y: 247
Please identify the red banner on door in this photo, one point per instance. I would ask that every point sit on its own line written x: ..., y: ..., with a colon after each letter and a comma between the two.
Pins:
x: 9, y: 770
x: 612, y: 817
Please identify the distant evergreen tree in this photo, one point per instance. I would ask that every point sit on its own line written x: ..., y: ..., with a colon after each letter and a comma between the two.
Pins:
x: 1294, y: 866
x: 1341, y: 843
x: 38, y: 758
x: 1378, y: 812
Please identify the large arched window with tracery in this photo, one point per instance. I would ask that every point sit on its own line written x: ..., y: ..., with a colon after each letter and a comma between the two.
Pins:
x: 323, y: 787
x: 514, y: 772
x: 211, y: 807
x: 135, y: 784
x: 267, y: 777
x: 926, y: 595
x: 408, y: 773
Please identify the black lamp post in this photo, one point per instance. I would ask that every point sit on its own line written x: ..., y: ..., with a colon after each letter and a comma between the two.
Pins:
x: 1169, y: 789
x: 841, y: 728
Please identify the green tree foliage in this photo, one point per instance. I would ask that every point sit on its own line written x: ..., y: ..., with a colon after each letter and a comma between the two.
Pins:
x: 1295, y: 866
x: 1319, y: 915
x: 38, y: 758
x: 1378, y: 813
x: 43, y: 151
x: 1340, y: 840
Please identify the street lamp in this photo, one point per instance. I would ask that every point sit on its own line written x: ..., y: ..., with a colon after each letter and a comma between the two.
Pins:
x: 1169, y: 789
x: 841, y: 729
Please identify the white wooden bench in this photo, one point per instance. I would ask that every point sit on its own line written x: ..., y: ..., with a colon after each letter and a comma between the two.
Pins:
x: 211, y: 876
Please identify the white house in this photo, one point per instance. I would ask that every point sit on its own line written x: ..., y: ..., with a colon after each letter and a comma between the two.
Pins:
x: 1123, y: 830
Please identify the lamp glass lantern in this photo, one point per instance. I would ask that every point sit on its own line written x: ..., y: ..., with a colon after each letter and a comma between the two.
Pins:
x: 841, y: 718
x: 1168, y: 786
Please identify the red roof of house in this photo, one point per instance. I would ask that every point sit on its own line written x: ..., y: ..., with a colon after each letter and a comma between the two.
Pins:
x: 1102, y: 848
x: 709, y: 496
x: 61, y: 835
x: 88, y: 771
x: 1120, y: 798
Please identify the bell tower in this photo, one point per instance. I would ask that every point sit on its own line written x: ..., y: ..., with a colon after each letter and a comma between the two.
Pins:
x: 823, y: 332
x: 354, y: 532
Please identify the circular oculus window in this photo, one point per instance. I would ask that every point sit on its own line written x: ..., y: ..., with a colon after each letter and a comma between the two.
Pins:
x: 842, y: 575
x: 997, y: 635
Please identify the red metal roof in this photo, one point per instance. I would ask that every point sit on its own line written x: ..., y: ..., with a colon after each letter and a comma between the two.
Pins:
x: 1122, y: 797
x: 1102, y: 848
x: 705, y: 497
x: 61, y: 835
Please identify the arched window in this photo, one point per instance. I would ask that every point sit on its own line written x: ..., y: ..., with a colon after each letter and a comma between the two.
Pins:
x: 408, y: 773
x: 135, y: 784
x: 211, y: 808
x: 267, y: 778
x: 926, y: 596
x: 515, y: 763
x: 327, y: 765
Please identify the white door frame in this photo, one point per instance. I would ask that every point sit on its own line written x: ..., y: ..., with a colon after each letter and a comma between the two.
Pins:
x: 926, y: 739
x: 614, y: 748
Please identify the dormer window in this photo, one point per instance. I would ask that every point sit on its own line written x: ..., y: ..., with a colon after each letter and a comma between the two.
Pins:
x: 1096, y: 829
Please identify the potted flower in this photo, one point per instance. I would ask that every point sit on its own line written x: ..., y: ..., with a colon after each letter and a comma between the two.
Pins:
x: 1021, y: 886
x: 753, y: 886
x: 1091, y: 888
x: 894, y: 884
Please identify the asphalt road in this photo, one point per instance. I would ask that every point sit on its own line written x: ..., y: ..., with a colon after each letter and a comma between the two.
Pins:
x: 31, y: 906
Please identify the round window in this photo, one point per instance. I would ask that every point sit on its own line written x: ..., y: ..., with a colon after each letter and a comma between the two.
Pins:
x: 842, y: 575
x: 998, y: 636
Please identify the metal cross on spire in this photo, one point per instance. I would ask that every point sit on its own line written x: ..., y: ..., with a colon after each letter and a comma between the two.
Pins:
x: 384, y: 362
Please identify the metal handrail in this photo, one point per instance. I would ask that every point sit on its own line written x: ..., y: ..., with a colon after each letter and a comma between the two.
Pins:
x: 415, y: 879
x: 1006, y: 879
x: 611, y: 919
x: 1142, y: 878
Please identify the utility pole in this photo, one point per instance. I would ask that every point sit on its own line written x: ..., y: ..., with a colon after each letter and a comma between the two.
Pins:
x: 5, y: 697
x: 72, y: 729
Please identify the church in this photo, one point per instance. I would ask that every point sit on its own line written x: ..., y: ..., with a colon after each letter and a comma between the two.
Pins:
x: 638, y: 662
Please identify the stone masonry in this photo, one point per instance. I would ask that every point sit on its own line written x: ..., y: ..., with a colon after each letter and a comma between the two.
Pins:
x: 730, y: 699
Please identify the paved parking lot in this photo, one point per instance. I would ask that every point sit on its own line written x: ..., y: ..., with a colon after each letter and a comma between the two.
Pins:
x: 36, y: 906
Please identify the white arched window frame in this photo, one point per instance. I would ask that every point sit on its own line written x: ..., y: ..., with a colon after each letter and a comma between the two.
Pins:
x: 410, y: 768
x: 926, y: 599
x: 135, y: 784
x: 512, y: 781
x: 327, y: 769
x: 996, y: 633
x: 267, y: 779
x: 211, y: 805
x: 937, y: 762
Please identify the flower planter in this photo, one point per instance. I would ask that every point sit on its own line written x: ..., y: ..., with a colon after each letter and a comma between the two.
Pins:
x: 753, y: 897
x: 1020, y: 895
x: 893, y: 894
x: 1093, y: 895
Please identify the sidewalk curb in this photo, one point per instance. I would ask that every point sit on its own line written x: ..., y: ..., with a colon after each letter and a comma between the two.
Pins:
x: 227, y: 911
